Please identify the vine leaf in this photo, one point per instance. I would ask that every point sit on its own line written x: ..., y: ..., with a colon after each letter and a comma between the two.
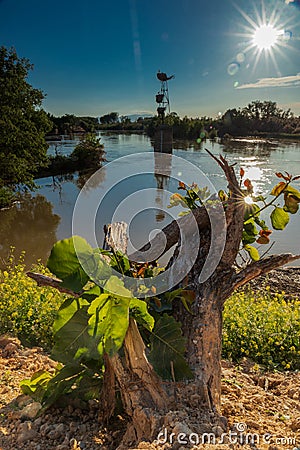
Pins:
x: 279, y: 218
x: 167, y: 350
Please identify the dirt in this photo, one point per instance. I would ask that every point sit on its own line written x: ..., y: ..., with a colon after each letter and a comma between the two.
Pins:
x: 260, y: 410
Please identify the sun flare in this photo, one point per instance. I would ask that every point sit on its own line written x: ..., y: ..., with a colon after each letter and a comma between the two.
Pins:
x: 248, y: 200
x: 265, y: 37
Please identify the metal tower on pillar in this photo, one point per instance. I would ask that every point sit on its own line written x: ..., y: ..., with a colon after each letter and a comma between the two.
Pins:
x: 162, y: 97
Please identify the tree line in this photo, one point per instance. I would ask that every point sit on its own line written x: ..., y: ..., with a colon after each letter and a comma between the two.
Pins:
x: 258, y: 117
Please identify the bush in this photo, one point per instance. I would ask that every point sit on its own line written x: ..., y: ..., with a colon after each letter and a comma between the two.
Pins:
x: 262, y: 327
x: 88, y: 154
x: 27, y: 310
x: 6, y: 197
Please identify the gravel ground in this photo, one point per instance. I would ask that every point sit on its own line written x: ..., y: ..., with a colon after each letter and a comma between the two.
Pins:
x: 285, y: 279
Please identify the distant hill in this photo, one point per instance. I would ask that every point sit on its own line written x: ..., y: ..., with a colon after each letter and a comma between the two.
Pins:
x: 134, y: 117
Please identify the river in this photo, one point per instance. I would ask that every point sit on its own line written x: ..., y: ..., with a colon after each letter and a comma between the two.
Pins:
x: 43, y: 217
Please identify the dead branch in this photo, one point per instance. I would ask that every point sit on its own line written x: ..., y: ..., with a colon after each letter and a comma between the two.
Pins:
x: 170, y: 235
x: 43, y: 280
x: 228, y: 170
x: 234, y: 212
x: 261, y: 267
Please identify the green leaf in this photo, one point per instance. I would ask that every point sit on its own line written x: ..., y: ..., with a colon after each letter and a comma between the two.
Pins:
x: 176, y: 200
x: 279, y: 218
x: 187, y: 297
x: 139, y: 311
x: 261, y: 223
x: 248, y: 238
x: 120, y: 262
x: 61, y: 383
x: 250, y: 228
x: 253, y: 252
x: 291, y: 190
x: 48, y: 388
x: 184, y: 213
x: 109, y: 321
x: 116, y: 286
x: 98, y: 269
x: 167, y: 349
x: 222, y: 196
x: 67, y: 311
x: 72, y: 339
x: 36, y: 386
x: 64, y: 263
x: 251, y: 210
x: 92, y: 293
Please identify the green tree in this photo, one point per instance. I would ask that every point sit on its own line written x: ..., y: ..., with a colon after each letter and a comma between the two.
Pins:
x: 262, y: 110
x: 112, y: 117
x: 89, y: 153
x: 258, y: 116
x: 23, y: 123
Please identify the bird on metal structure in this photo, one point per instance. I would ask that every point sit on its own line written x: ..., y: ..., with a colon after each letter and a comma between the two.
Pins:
x: 163, y: 76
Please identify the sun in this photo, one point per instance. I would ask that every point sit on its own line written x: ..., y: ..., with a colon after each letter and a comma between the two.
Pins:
x: 265, y: 36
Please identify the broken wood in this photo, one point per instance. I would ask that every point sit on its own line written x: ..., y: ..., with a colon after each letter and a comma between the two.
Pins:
x: 44, y: 280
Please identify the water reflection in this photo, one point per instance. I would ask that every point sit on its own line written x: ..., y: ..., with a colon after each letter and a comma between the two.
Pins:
x: 34, y: 225
x: 29, y: 225
x: 84, y: 176
x: 162, y: 173
x: 254, y: 147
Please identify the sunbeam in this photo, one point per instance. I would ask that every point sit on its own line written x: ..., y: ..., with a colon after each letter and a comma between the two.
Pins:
x: 265, y: 36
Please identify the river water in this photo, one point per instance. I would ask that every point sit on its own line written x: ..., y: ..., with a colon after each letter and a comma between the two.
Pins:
x: 45, y: 216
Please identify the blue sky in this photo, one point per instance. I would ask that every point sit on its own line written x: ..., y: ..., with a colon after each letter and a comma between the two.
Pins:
x: 94, y: 57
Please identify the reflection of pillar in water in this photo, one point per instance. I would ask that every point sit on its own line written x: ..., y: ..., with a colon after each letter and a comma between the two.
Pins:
x: 163, y: 139
x: 162, y: 171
